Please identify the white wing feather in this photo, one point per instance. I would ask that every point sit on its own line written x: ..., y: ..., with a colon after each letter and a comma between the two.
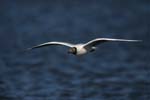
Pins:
x: 51, y: 43
x: 102, y: 40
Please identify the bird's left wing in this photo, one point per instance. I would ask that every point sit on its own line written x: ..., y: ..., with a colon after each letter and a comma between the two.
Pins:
x: 102, y: 40
x: 51, y: 43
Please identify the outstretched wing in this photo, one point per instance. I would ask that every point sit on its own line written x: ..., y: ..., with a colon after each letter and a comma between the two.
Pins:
x: 51, y: 43
x: 102, y: 40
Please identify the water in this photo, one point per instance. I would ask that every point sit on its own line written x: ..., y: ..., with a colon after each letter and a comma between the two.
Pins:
x: 116, y: 71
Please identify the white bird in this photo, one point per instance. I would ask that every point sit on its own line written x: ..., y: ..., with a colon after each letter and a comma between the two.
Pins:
x: 81, y: 49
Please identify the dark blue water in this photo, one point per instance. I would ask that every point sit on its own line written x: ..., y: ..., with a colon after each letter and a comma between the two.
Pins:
x: 116, y: 71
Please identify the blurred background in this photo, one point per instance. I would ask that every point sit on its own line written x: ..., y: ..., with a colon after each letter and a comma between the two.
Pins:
x: 116, y: 71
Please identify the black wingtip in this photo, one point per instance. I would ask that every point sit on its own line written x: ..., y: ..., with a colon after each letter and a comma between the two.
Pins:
x: 138, y: 41
x: 28, y: 49
x: 25, y: 50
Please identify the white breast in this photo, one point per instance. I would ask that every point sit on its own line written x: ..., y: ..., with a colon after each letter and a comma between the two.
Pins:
x: 80, y: 49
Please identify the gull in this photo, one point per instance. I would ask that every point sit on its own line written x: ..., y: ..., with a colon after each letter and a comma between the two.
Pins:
x: 82, y: 48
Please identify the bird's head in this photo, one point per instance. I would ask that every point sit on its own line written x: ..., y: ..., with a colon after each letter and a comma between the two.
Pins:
x: 73, y: 50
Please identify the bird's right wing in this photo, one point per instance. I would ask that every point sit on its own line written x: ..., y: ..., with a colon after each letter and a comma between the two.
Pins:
x: 51, y: 43
x: 102, y: 40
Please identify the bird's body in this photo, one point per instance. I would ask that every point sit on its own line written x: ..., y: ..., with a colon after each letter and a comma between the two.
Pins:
x: 81, y: 49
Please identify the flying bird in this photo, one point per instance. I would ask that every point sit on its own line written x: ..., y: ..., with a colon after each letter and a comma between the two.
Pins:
x: 82, y: 48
